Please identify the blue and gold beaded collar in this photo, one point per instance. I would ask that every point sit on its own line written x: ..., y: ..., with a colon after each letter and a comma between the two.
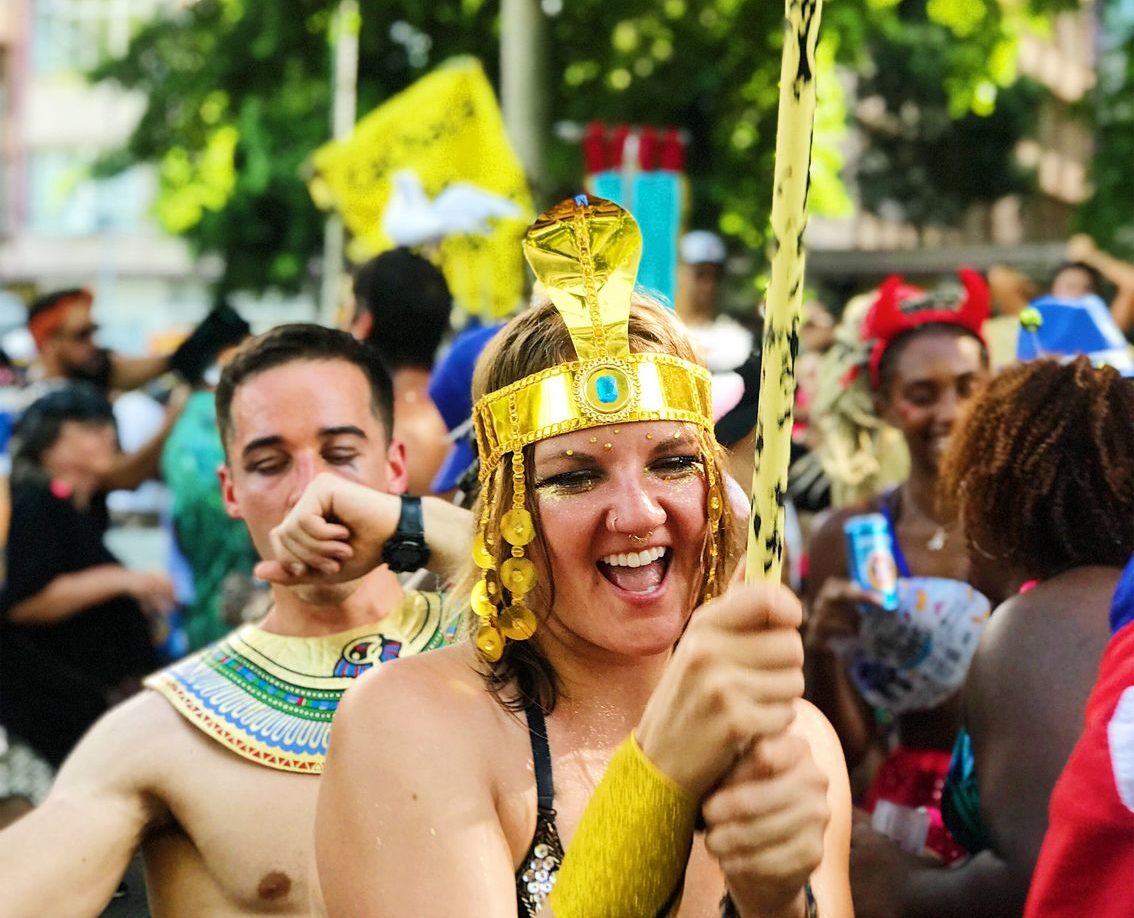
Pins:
x: 271, y: 698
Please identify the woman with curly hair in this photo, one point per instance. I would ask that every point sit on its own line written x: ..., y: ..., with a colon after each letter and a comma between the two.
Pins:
x: 1042, y: 469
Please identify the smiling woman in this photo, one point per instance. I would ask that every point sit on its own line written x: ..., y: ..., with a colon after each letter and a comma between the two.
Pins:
x: 923, y: 358
x: 591, y: 684
x: 600, y: 493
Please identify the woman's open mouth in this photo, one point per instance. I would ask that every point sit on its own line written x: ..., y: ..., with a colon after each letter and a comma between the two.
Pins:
x: 641, y: 572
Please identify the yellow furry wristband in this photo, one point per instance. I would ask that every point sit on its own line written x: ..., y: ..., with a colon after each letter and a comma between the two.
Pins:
x: 627, y: 858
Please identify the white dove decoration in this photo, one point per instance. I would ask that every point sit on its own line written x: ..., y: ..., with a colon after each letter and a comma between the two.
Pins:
x: 462, y: 208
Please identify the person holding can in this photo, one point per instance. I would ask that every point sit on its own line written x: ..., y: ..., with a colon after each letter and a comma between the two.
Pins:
x: 922, y: 357
x: 1047, y: 504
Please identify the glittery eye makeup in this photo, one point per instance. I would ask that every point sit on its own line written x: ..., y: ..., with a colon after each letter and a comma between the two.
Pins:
x: 677, y: 467
x: 575, y: 481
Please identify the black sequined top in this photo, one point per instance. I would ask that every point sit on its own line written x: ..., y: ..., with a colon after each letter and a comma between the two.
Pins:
x: 536, y: 874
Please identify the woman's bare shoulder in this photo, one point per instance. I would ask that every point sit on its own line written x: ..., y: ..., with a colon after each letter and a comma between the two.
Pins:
x: 811, y: 724
x: 435, y: 694
x: 1056, y: 614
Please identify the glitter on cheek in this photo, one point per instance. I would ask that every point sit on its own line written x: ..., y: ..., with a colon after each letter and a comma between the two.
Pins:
x: 554, y: 495
x: 608, y: 446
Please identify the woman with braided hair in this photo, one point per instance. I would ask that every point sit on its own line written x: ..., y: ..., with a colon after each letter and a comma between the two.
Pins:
x: 1042, y: 474
x: 919, y: 358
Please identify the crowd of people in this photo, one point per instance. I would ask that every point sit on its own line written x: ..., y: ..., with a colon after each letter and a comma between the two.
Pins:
x: 464, y: 626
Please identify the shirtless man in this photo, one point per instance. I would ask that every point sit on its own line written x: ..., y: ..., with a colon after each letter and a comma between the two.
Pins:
x: 212, y: 772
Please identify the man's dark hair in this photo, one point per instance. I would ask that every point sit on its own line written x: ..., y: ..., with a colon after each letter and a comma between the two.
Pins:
x: 302, y: 341
x: 39, y: 426
x: 1097, y: 281
x: 410, y: 303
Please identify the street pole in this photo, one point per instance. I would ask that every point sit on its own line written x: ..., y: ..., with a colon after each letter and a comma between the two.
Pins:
x: 523, y: 89
x: 344, y: 44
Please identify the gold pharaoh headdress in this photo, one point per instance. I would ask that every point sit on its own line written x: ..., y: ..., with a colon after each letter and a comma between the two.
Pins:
x: 584, y: 251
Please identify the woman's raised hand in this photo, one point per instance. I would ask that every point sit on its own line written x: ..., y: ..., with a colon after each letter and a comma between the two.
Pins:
x: 766, y: 825
x: 834, y: 613
x: 734, y: 679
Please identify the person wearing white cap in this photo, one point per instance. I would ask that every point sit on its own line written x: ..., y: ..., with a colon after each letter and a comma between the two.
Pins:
x: 723, y: 342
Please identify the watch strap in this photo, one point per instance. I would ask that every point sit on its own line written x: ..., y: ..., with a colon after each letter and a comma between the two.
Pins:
x: 411, y: 520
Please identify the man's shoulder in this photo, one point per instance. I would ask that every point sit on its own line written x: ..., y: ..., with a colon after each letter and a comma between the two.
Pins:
x: 447, y: 689
x: 270, y: 698
x: 130, y: 747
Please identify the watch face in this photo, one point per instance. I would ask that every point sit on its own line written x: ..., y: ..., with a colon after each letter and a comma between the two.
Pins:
x: 405, y: 555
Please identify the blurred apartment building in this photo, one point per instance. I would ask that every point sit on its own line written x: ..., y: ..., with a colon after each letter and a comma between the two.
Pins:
x: 58, y: 226
x: 1026, y: 232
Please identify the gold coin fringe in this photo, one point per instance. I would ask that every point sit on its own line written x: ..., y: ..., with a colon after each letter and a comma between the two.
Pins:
x: 715, y: 508
x: 516, y: 576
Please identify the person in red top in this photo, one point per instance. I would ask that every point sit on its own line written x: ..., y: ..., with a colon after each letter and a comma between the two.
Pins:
x: 1087, y: 857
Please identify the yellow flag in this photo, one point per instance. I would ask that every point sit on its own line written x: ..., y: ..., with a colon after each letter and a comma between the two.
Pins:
x: 445, y: 129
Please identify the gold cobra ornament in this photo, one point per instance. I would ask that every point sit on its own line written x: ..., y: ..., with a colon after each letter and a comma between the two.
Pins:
x: 794, y: 127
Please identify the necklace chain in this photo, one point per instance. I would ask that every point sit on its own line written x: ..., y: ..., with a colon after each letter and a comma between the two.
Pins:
x: 940, y: 537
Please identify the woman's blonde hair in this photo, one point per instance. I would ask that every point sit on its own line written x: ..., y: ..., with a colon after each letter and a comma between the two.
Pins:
x: 536, y: 340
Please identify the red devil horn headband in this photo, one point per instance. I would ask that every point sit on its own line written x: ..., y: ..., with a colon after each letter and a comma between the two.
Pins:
x: 886, y: 319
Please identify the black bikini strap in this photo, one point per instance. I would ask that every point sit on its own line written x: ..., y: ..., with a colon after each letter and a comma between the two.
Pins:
x: 541, y: 756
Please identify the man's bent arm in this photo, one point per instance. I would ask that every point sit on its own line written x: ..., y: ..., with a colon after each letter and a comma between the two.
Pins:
x: 448, y: 533
x: 128, y: 373
x: 68, y: 594
x: 370, y: 518
x: 68, y: 855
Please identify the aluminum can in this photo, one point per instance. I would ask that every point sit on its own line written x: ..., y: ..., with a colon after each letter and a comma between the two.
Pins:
x: 870, y: 555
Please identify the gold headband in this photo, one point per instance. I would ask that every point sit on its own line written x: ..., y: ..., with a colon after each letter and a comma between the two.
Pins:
x: 585, y: 252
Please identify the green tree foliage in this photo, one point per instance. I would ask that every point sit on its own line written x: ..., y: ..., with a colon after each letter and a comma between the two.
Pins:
x: 941, y: 112
x: 238, y: 97
x: 1108, y: 215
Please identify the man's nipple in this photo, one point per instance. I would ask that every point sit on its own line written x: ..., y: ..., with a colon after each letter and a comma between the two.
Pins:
x: 275, y: 885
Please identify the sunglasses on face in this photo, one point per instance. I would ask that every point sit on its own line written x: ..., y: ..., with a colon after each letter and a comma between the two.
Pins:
x: 84, y: 333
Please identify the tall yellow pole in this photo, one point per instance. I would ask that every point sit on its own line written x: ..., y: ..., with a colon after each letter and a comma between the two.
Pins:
x: 785, y: 290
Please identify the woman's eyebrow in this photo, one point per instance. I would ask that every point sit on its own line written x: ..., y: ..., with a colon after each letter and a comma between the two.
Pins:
x: 670, y: 444
x: 571, y: 456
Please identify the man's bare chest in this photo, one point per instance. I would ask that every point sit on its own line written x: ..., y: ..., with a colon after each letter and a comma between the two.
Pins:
x: 239, y: 839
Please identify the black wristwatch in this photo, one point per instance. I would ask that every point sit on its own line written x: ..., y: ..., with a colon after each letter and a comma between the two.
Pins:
x: 406, y: 550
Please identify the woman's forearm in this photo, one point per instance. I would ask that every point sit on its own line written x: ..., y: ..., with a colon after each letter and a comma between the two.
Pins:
x: 982, y: 888
x: 69, y: 594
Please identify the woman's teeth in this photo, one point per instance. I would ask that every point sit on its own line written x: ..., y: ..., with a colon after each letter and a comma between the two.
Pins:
x: 634, y: 559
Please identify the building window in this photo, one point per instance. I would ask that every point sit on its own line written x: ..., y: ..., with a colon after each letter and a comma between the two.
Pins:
x: 70, y: 35
x: 64, y: 200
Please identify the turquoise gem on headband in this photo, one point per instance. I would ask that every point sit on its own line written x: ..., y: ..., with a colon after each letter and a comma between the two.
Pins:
x: 606, y: 388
